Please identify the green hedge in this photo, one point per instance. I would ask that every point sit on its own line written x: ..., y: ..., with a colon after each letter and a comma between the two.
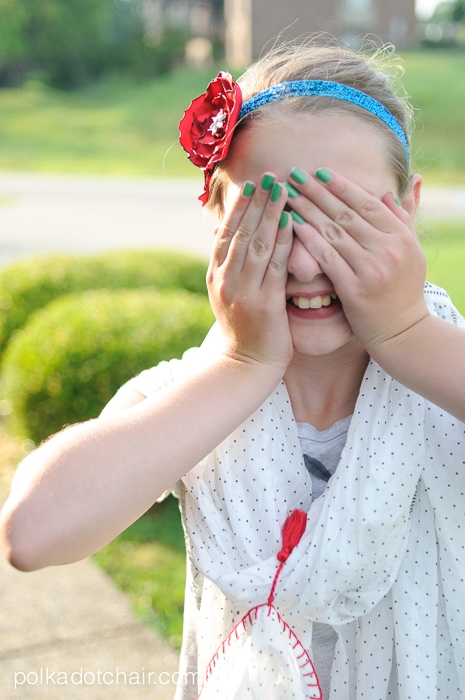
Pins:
x: 72, y: 356
x: 30, y: 284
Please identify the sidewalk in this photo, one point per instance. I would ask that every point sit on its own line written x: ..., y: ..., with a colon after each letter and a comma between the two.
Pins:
x: 68, y: 633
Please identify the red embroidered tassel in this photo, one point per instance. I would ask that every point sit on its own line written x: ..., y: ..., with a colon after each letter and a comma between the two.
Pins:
x: 293, y: 529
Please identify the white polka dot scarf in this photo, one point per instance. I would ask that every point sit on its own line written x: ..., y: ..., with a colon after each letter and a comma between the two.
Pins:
x: 382, y: 558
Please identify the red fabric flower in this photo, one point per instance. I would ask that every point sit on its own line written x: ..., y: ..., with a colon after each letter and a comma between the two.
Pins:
x: 207, y: 126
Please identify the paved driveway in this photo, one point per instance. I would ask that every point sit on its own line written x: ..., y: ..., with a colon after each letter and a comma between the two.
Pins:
x: 40, y: 213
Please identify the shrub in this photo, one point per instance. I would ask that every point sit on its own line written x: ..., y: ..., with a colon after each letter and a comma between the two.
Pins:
x: 72, y: 356
x: 29, y: 284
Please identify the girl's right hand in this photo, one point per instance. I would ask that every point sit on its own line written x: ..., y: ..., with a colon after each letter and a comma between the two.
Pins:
x: 247, y: 275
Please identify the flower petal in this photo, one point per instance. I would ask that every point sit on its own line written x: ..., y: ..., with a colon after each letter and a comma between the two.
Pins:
x: 208, y: 124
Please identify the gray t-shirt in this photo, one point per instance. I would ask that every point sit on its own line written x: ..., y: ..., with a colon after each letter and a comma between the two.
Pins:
x: 322, y: 452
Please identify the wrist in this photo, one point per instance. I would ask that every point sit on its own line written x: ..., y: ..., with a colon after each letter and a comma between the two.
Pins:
x: 396, y: 329
x: 252, y: 364
x: 400, y: 348
x: 268, y: 372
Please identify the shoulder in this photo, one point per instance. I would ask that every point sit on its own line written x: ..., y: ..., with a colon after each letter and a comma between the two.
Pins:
x: 151, y: 381
x: 440, y: 304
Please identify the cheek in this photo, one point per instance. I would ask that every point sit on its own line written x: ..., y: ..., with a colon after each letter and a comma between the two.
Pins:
x: 231, y: 192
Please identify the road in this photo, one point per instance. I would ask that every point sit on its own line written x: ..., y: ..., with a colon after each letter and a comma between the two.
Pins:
x: 45, y: 213
x: 50, y: 213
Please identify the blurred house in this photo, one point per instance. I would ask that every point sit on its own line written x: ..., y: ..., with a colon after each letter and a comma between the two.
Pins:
x: 202, y: 20
x: 246, y: 27
x: 250, y: 25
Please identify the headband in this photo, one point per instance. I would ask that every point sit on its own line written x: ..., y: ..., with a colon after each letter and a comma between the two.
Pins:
x: 207, y: 126
x: 326, y: 88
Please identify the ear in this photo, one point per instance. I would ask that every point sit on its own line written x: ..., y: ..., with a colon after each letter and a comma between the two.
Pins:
x: 411, y: 199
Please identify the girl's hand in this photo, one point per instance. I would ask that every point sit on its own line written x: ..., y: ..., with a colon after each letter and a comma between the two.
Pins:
x: 248, y: 272
x: 369, y: 250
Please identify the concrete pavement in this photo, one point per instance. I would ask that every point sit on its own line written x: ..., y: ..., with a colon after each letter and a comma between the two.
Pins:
x: 67, y: 633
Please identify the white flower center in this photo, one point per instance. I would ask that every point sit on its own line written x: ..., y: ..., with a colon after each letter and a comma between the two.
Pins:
x: 217, y: 122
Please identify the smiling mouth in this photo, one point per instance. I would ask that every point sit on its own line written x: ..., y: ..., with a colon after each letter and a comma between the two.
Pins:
x: 314, y: 303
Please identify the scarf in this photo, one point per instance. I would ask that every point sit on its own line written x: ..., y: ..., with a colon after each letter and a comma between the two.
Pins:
x: 382, y: 558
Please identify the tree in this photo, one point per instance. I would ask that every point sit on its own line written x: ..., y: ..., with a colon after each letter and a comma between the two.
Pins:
x: 458, y: 11
x: 63, y: 41
x: 68, y: 43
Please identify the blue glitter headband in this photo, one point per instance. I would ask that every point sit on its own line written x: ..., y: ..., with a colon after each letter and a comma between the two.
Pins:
x: 326, y: 88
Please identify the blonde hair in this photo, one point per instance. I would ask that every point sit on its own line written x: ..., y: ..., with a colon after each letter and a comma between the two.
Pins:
x: 308, y: 59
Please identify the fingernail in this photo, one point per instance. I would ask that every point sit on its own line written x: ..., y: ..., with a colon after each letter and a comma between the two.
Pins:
x: 276, y: 192
x: 397, y: 200
x: 291, y: 191
x: 248, y: 189
x: 323, y: 175
x: 267, y: 182
x: 297, y: 217
x: 284, y: 219
x: 299, y: 176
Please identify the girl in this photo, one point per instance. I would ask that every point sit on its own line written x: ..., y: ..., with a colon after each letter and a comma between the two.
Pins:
x: 332, y: 388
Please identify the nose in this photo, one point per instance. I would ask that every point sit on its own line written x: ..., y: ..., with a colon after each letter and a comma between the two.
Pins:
x: 302, y: 265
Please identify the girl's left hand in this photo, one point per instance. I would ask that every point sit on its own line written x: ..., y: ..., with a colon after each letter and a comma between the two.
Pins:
x: 369, y: 250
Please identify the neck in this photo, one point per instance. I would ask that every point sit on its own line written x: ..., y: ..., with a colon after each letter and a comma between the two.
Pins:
x: 324, y: 389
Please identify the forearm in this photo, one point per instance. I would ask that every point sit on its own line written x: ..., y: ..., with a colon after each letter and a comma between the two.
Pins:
x: 429, y: 358
x: 85, y: 485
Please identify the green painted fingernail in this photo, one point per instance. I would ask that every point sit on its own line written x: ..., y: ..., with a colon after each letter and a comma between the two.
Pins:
x: 323, y: 175
x: 291, y: 191
x: 299, y: 176
x: 299, y: 219
x: 284, y: 219
x: 267, y: 182
x: 248, y: 189
x: 397, y: 201
x: 276, y: 192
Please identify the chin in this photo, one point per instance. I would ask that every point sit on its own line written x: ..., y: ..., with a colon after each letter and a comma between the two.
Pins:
x: 320, y: 343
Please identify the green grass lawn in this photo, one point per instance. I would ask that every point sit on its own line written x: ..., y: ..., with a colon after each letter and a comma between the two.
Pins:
x: 116, y: 127
x: 435, y: 81
x: 121, y: 127
x: 445, y: 252
x: 147, y: 561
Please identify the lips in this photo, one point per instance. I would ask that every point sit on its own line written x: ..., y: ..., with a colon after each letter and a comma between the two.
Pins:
x: 316, y: 302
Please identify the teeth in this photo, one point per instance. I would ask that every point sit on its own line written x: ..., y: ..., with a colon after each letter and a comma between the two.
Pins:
x: 314, y: 302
